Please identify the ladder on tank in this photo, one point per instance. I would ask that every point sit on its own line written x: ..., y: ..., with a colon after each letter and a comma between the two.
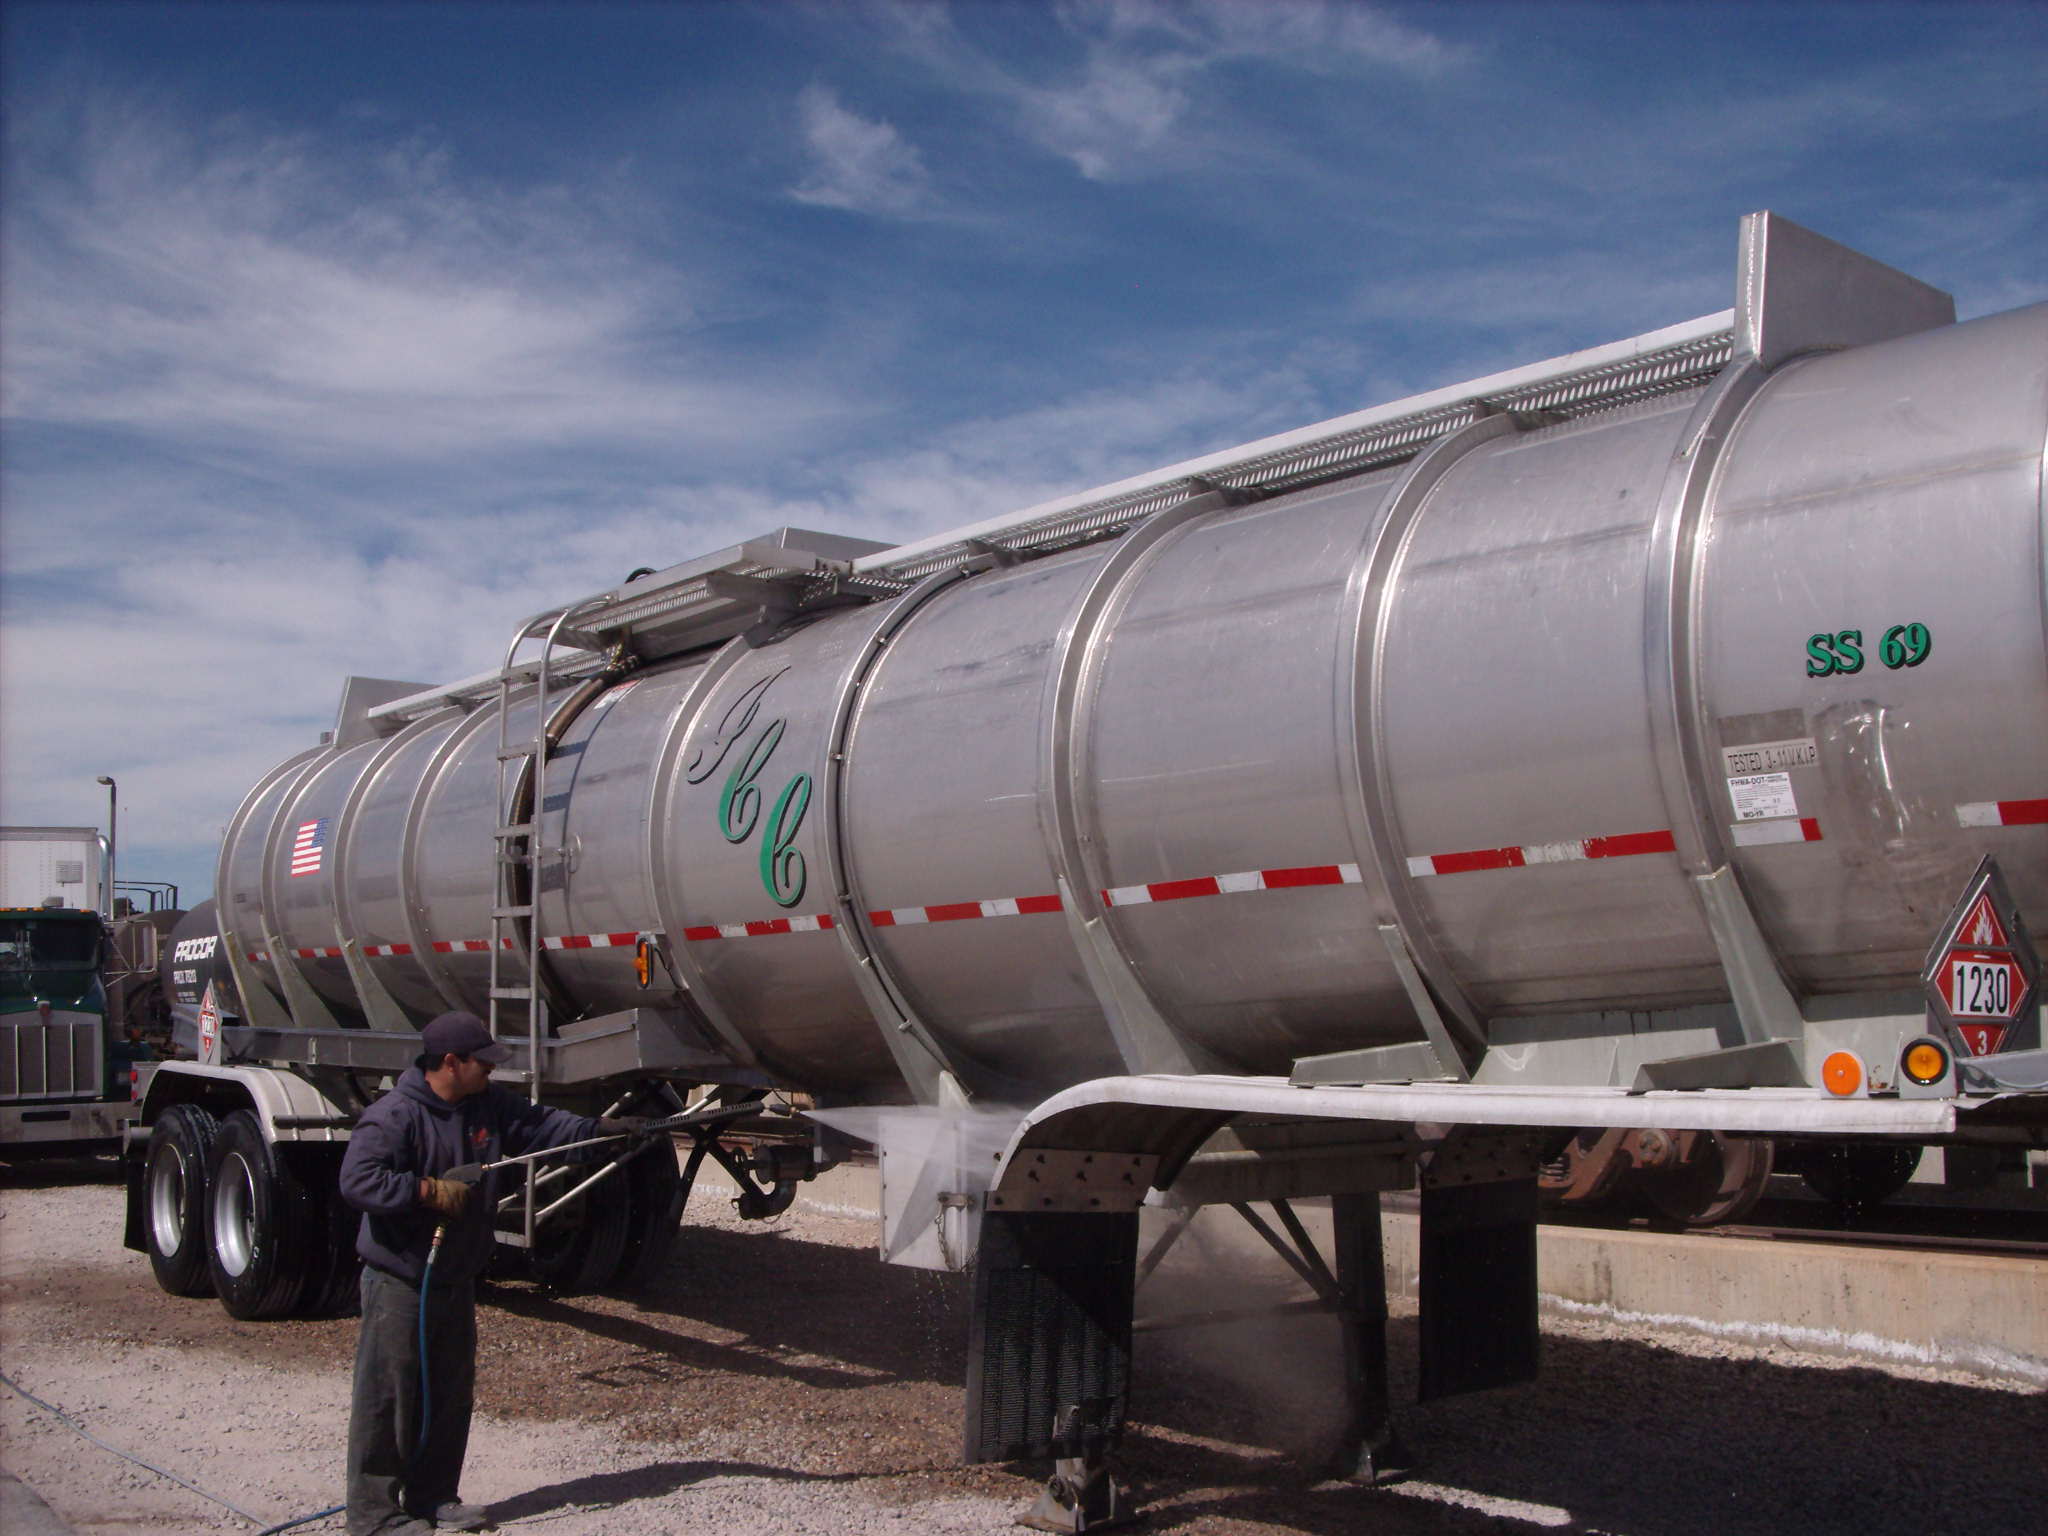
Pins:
x: 518, y: 854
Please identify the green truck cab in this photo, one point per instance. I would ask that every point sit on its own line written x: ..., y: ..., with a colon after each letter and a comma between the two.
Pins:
x: 65, y: 1075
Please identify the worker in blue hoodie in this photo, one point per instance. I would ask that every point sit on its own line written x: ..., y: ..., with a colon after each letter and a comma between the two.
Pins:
x: 442, y: 1115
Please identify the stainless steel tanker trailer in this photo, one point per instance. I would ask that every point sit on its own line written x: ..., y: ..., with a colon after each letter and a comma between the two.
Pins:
x: 1653, y: 738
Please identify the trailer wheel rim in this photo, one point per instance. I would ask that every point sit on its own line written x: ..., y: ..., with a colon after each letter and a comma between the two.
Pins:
x: 234, y: 1214
x: 167, y: 1201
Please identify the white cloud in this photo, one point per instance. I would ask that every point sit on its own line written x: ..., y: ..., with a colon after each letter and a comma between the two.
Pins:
x: 1138, y: 89
x: 1120, y: 110
x: 245, y: 287
x: 282, y: 409
x: 857, y: 163
x: 1322, y: 35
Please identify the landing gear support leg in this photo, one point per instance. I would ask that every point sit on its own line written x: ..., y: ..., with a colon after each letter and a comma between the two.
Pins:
x: 1080, y: 1496
x: 1372, y: 1448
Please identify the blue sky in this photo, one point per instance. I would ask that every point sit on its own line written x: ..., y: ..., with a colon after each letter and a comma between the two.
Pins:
x: 336, y: 338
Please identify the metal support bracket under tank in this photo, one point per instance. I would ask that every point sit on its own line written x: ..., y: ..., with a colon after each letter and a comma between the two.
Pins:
x: 1145, y: 1038
x: 1457, y: 1041
x: 1763, y: 1001
x: 935, y: 1076
x: 1796, y: 292
x: 308, y: 1009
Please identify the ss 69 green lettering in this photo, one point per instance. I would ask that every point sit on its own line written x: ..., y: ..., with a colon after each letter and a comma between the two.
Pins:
x: 1839, y: 653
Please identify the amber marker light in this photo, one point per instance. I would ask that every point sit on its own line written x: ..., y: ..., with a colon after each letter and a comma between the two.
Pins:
x: 1842, y: 1073
x: 1924, y: 1061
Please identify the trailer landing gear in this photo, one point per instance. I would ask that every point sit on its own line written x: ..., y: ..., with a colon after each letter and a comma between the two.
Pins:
x: 1079, y: 1496
x: 1371, y: 1450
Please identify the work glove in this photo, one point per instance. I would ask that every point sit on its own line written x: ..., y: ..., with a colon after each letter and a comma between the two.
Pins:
x: 639, y: 1127
x: 446, y: 1198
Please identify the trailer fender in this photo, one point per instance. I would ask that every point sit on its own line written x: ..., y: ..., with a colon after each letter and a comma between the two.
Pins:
x: 288, y: 1107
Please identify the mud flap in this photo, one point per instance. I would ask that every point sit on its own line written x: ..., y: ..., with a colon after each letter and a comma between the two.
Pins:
x: 132, y: 1171
x: 1049, y: 1347
x: 1478, y: 1320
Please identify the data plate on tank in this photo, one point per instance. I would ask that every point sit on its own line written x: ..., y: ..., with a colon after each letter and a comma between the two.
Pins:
x: 1762, y: 796
x: 1044, y: 1180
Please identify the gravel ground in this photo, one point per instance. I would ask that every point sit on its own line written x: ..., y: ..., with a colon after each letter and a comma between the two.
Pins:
x: 785, y: 1381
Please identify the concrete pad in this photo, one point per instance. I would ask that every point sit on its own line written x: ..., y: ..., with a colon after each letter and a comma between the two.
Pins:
x: 1986, y: 1316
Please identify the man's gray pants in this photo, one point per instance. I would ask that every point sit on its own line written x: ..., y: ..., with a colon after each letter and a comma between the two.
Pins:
x: 390, y: 1485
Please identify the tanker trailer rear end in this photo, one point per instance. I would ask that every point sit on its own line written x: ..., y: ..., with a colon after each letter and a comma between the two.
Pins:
x: 1598, y: 744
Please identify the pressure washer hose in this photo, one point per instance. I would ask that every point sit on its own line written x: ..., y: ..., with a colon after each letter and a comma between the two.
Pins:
x: 419, y: 1445
x: 149, y: 1466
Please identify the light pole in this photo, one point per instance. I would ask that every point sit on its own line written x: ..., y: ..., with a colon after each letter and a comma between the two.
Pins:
x: 112, y: 811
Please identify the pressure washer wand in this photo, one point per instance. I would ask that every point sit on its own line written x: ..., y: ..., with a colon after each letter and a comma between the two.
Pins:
x: 469, y: 1173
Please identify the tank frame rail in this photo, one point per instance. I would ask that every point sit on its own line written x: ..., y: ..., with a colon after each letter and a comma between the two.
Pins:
x: 639, y: 1042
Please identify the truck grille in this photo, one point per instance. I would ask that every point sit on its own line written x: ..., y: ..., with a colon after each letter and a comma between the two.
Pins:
x: 61, y: 1057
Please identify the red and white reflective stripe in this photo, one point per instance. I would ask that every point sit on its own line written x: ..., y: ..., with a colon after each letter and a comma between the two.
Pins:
x: 1231, y: 885
x: 1520, y: 856
x: 955, y: 911
x: 482, y: 946
x: 260, y: 956
x: 816, y: 923
x: 2004, y: 813
x: 1784, y: 829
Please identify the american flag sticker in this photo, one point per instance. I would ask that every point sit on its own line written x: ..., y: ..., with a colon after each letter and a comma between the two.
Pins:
x: 309, y: 847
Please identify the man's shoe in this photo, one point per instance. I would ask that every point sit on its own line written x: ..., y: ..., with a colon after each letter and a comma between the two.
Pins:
x: 461, y: 1517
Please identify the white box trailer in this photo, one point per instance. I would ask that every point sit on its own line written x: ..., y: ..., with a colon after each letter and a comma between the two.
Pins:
x: 68, y: 863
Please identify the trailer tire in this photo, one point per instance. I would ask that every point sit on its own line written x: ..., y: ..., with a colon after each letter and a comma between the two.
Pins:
x: 655, y: 1198
x: 175, y: 1205
x: 581, y: 1248
x: 263, y: 1224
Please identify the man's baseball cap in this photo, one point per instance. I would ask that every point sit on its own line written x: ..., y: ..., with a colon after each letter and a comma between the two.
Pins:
x: 464, y: 1034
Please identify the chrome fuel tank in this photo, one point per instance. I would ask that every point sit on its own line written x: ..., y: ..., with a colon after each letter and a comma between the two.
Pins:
x: 1195, y: 795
